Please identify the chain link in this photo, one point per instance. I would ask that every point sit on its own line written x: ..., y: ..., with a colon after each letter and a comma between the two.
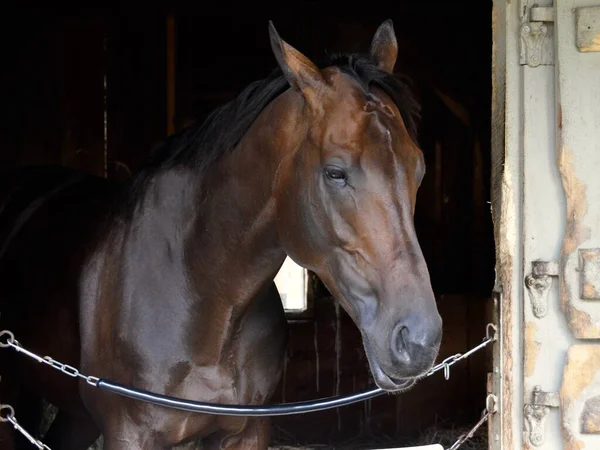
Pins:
x: 490, y: 401
x: 465, y: 437
x: 7, y: 339
x: 5, y: 334
x: 7, y: 414
x: 73, y: 372
x: 490, y: 336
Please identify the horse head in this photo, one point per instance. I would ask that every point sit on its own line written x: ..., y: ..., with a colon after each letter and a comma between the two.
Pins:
x: 354, y: 179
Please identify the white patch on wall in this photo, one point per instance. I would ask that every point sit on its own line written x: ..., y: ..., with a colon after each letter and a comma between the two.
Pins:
x: 292, y: 284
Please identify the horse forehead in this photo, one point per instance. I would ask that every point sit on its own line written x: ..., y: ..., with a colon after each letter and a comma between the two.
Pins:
x: 362, y: 118
x: 355, y: 130
x: 350, y: 116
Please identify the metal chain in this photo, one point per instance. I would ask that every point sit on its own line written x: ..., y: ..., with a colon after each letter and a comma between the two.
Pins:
x: 490, y: 336
x: 7, y: 414
x: 490, y: 402
x: 71, y: 371
x: 7, y: 339
x: 486, y: 413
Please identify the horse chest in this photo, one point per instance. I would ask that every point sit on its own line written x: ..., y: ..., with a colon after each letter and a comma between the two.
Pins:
x: 214, y: 384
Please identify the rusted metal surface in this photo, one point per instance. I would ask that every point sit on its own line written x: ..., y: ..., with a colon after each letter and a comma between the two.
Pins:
x: 546, y: 200
x: 579, y: 396
x: 590, y: 418
x: 587, y: 23
x: 537, y: 34
x: 544, y: 340
x: 544, y: 268
x: 532, y: 348
x: 542, y: 14
x: 505, y: 194
x: 578, y: 160
x: 543, y: 213
x: 539, y: 281
x: 535, y: 424
x: 536, y: 413
x: 534, y: 38
x: 549, y: 399
x: 590, y: 273
x: 538, y: 288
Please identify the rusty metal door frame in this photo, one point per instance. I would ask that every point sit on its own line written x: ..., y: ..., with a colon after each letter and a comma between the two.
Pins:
x: 522, y: 139
x: 506, y: 187
x: 542, y: 61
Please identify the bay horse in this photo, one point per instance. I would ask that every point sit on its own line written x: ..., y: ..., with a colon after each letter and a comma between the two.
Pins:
x: 166, y: 283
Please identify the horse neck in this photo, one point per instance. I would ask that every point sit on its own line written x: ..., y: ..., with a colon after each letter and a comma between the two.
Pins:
x: 221, y: 227
x: 237, y: 220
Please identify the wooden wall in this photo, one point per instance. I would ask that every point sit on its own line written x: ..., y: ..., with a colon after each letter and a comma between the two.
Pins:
x: 90, y: 91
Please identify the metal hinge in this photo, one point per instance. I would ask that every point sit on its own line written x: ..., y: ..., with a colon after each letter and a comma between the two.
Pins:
x: 535, y: 414
x: 537, y: 35
x: 538, y: 284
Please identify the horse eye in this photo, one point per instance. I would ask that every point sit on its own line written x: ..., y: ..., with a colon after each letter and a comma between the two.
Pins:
x: 335, y: 173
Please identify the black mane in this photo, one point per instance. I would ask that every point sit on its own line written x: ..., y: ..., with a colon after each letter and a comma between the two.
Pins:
x: 203, y: 143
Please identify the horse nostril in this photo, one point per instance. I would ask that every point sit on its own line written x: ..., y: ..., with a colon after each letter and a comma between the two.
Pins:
x: 401, y: 337
x: 400, y: 343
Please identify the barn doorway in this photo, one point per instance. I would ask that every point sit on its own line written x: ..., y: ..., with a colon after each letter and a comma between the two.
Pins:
x: 109, y: 86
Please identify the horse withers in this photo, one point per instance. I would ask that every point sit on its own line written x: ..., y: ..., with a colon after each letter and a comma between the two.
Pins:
x: 170, y: 279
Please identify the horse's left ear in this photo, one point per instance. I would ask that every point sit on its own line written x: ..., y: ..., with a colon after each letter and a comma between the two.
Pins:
x: 384, y: 47
x: 300, y: 72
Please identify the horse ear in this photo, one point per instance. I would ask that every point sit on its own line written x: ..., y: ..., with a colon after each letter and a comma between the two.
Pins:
x: 300, y: 72
x: 384, y: 47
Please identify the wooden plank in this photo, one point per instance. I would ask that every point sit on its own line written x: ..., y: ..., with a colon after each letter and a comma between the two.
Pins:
x: 506, y: 210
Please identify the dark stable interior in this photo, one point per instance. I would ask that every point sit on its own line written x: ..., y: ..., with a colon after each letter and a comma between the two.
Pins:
x: 58, y: 60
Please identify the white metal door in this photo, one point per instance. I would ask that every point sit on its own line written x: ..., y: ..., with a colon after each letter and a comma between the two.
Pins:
x: 546, y: 123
